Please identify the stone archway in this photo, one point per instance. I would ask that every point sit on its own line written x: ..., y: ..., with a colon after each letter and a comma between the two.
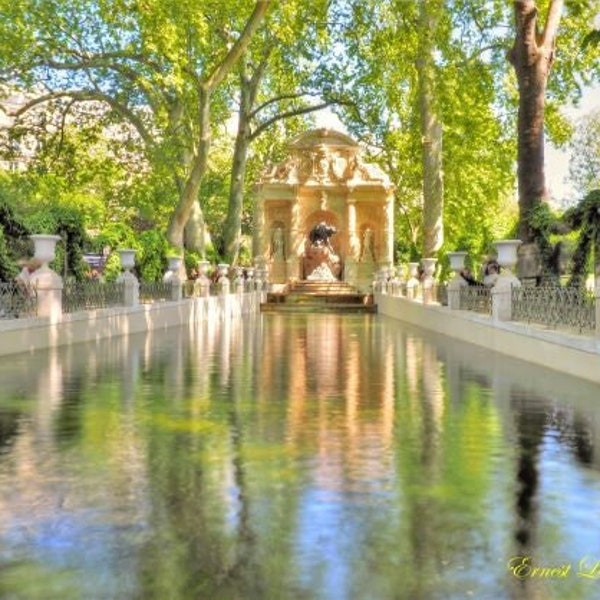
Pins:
x: 324, y: 180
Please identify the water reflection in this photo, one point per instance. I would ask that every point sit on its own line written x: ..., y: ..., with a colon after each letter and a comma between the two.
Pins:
x: 295, y: 457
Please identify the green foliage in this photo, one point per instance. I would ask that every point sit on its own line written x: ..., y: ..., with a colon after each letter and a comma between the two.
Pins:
x: 191, y: 261
x: 542, y: 222
x: 8, y: 267
x: 112, y: 267
x: 151, y: 260
x: 586, y: 217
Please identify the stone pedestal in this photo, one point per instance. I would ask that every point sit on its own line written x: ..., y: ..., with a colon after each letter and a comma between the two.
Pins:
x: 412, y: 285
x: 457, y: 263
x: 223, y: 282
x: 428, y: 282
x: 502, y: 290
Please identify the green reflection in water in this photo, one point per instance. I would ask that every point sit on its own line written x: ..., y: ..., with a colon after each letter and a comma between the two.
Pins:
x: 284, y: 457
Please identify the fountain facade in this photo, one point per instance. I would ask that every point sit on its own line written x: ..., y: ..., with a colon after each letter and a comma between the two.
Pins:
x: 324, y: 184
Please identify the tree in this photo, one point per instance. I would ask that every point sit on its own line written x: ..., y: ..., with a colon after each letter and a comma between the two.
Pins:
x: 158, y: 65
x: 277, y: 83
x: 443, y: 77
x: 431, y: 129
x: 534, y: 56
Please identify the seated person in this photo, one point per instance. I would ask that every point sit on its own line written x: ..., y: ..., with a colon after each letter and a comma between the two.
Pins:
x: 490, y: 273
x: 469, y: 277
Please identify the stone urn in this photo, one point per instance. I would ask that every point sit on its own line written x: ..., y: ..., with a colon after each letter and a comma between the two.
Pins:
x: 223, y: 281
x: 429, y: 267
x: 203, y: 268
x: 413, y: 270
x: 457, y: 261
x: 413, y: 282
x: 174, y: 263
x: 44, y: 248
x: 127, y: 257
x: 202, y: 284
x: 507, y: 253
x: 249, y: 278
x: 457, y: 264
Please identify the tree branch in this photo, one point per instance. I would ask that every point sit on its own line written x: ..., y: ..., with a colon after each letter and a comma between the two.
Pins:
x: 552, y: 22
x: 288, y: 114
x: 276, y: 99
x: 253, y: 23
x: 89, y: 95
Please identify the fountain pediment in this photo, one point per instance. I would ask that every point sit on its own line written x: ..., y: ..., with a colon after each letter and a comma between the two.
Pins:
x: 325, y: 156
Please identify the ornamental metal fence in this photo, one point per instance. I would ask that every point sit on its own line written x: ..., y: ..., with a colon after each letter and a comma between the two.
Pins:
x: 88, y: 295
x: 155, y: 291
x: 477, y: 298
x: 569, y: 308
x: 17, y: 300
x: 195, y: 289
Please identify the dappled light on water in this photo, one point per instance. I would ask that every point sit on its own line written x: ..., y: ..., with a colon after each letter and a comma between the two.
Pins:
x: 295, y: 456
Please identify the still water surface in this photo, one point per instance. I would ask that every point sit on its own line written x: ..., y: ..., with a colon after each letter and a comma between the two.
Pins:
x: 296, y: 457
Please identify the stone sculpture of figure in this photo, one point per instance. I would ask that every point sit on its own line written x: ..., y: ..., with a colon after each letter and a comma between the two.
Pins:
x: 278, y: 243
x: 320, y: 260
x: 367, y: 251
x: 320, y: 234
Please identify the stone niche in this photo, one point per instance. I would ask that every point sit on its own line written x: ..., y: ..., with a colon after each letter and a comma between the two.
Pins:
x: 323, y: 213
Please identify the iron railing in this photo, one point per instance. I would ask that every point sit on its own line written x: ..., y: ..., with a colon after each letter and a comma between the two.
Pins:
x: 556, y: 307
x: 17, y: 300
x: 88, y: 295
x: 477, y: 298
x: 155, y: 291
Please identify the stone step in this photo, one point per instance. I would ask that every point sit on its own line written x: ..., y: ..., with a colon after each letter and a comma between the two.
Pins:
x: 348, y: 298
x: 319, y: 296
x: 330, y: 307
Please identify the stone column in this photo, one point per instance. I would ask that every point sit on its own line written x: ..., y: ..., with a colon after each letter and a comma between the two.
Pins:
x: 352, y: 256
x: 352, y: 237
x: 294, y: 268
x: 48, y: 284
x: 388, y: 228
x: 258, y: 242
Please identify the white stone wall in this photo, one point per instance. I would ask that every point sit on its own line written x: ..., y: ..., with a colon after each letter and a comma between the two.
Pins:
x: 26, y: 335
x: 576, y: 355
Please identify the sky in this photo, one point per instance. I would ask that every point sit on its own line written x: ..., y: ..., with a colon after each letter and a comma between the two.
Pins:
x: 557, y: 161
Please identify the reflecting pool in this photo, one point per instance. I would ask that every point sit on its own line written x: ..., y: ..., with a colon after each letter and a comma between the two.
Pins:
x: 295, y: 457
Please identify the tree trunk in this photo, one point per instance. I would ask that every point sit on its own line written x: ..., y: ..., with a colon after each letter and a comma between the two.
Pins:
x: 232, y: 230
x: 183, y: 210
x: 196, y: 235
x: 532, y: 56
x: 431, y: 130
